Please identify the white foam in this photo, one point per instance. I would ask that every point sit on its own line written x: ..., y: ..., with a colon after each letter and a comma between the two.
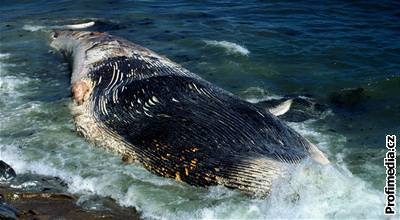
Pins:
x: 324, y: 192
x: 231, y: 48
x: 24, y: 185
x: 3, y: 65
x: 257, y: 94
x: 32, y: 28
x: 11, y: 83
x: 4, y: 56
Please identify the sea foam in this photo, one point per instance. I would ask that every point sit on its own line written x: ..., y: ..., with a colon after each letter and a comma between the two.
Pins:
x: 230, y: 48
x: 32, y: 28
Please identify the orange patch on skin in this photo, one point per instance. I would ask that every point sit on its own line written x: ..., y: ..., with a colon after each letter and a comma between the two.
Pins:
x: 127, y: 159
x: 193, y: 164
x: 194, y: 149
x: 177, y: 176
x: 80, y: 91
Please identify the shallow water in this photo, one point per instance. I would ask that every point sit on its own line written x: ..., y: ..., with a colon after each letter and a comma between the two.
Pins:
x: 256, y: 50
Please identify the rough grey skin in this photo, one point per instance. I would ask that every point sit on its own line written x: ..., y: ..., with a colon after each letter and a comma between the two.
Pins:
x: 177, y: 125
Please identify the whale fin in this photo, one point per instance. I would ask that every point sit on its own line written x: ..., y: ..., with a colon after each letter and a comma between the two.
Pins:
x: 282, y: 108
x: 317, y: 155
x: 79, y: 26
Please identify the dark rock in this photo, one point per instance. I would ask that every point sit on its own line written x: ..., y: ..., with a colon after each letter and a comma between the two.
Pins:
x: 183, y: 58
x: 8, y: 212
x: 349, y: 97
x: 332, y: 130
x: 103, y: 26
x: 31, y: 205
x: 41, y: 196
x: 145, y: 21
x: 95, y: 202
x: 33, y: 212
x: 6, y: 172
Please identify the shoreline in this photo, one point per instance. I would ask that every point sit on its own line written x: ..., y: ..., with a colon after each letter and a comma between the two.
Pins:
x: 44, y: 205
x: 30, y: 196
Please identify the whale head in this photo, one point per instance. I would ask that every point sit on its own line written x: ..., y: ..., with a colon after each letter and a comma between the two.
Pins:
x: 80, y: 48
x: 68, y: 41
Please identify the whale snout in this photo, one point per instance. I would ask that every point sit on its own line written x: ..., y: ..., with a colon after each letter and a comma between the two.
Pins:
x: 67, y: 41
x: 60, y: 40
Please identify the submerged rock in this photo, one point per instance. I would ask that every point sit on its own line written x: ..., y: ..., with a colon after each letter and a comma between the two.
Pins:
x: 8, y: 212
x: 6, y: 171
x: 349, y: 97
x: 107, y: 25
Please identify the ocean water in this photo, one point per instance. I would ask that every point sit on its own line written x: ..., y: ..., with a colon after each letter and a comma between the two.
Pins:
x: 256, y: 49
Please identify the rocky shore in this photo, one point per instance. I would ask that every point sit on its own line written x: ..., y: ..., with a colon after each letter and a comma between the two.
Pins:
x: 43, y: 197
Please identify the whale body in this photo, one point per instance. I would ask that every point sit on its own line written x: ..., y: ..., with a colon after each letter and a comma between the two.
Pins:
x: 151, y: 110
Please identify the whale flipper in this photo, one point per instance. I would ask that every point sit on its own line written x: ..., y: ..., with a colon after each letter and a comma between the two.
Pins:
x: 282, y: 108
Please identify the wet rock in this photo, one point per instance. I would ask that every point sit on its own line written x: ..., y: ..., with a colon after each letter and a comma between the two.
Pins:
x: 349, y: 97
x: 95, y: 202
x: 6, y: 172
x: 31, y: 205
x: 39, y: 183
x: 38, y: 196
x: 7, y: 212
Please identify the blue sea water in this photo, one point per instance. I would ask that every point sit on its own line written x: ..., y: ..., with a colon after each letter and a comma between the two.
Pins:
x: 255, y: 49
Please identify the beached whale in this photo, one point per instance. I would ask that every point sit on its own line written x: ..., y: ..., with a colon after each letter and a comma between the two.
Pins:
x: 151, y: 110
